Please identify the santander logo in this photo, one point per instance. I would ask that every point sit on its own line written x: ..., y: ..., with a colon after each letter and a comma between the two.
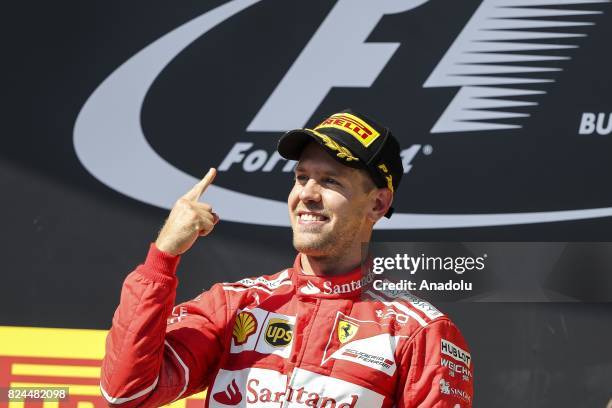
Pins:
x: 109, y: 139
x: 329, y: 288
x: 310, y: 289
x: 257, y: 394
x: 231, y: 396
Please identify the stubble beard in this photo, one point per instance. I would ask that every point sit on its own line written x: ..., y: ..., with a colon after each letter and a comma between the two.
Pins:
x: 325, y: 244
x: 311, y: 243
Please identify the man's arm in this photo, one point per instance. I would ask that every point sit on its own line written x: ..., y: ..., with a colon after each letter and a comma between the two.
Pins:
x: 436, y: 369
x: 146, y: 363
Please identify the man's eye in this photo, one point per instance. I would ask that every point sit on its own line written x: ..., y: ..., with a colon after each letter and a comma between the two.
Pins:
x: 331, y: 181
x: 301, y: 177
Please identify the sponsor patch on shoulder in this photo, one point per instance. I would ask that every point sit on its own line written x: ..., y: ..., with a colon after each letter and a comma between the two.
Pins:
x: 281, y: 279
x: 417, y: 303
x: 446, y: 388
x: 457, y: 353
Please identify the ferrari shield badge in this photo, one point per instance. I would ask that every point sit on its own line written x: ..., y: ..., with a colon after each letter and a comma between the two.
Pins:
x: 346, y: 331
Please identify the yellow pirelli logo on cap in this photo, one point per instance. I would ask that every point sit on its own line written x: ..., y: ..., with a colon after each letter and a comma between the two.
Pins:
x: 352, y: 125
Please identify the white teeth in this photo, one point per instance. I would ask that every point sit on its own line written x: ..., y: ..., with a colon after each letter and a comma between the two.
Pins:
x: 311, y: 217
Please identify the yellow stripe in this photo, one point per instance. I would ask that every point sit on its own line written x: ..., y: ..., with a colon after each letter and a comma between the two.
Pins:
x: 92, y: 390
x: 48, y: 404
x: 58, y: 343
x: 73, y: 389
x: 199, y: 395
x: 56, y: 370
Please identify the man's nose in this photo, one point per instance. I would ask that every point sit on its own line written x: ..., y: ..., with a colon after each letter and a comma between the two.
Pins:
x: 311, y: 191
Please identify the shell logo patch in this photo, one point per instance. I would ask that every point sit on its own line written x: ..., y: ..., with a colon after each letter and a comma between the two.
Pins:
x: 245, y: 325
x: 352, y: 125
x: 346, y: 331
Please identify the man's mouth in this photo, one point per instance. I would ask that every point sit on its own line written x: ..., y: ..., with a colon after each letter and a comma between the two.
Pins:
x: 311, y: 218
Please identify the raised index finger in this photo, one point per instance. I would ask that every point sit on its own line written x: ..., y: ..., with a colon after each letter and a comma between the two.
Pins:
x: 197, y: 190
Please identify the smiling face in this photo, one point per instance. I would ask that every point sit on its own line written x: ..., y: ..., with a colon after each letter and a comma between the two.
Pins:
x: 332, y: 207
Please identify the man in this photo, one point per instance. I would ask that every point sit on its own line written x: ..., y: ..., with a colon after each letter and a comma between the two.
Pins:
x: 311, y: 335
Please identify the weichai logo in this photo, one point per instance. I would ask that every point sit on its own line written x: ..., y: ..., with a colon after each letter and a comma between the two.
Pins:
x: 352, y: 125
x: 455, y: 367
x: 279, y: 332
x: 261, y: 394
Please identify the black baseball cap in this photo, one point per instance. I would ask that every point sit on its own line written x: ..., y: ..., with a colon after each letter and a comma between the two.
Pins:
x: 354, y: 140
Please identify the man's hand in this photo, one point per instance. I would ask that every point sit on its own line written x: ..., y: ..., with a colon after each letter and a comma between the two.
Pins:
x: 188, y: 219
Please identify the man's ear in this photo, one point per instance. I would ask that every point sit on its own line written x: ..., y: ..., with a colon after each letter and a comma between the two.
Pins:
x: 381, y: 201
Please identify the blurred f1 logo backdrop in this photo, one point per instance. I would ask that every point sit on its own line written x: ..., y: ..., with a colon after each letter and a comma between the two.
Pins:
x: 481, y: 105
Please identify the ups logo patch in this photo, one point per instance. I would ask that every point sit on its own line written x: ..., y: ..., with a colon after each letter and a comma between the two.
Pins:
x: 279, y: 332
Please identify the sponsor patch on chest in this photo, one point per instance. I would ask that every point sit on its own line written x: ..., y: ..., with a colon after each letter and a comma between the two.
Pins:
x: 259, y: 387
x: 364, y: 342
x: 262, y: 331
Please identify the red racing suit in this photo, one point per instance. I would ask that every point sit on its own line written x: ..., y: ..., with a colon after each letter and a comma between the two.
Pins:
x: 282, y: 340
